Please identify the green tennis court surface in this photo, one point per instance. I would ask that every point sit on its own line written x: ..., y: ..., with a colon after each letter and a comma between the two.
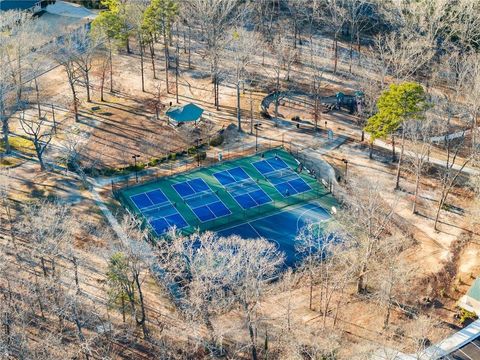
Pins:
x: 232, y: 194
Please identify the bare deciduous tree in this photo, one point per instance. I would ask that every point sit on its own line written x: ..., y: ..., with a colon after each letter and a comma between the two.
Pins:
x: 243, y: 46
x: 66, y: 56
x: 214, y: 17
x: 40, y: 132
x: 129, y: 263
x: 365, y: 221
x: 418, y: 133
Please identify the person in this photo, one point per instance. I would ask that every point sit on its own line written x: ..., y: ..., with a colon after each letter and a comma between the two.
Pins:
x: 276, y: 156
x: 287, y: 192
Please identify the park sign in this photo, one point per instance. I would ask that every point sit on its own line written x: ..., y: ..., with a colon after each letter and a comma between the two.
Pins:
x: 186, y: 113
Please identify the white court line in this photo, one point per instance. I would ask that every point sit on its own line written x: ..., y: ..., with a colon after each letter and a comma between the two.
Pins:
x: 287, y: 167
x: 166, y: 199
x: 262, y: 173
x: 464, y: 353
x: 260, y: 236
x: 152, y: 207
x: 216, y: 217
x: 307, y: 210
x: 287, y: 209
x: 183, y: 182
x: 165, y: 218
x: 201, y: 193
x: 134, y: 203
x: 246, y: 193
x: 223, y: 171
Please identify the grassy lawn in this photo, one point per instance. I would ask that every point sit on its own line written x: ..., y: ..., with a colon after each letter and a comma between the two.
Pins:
x: 8, y: 162
x: 19, y: 144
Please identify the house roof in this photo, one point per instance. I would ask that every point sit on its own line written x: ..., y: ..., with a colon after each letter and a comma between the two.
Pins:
x: 474, y: 291
x: 17, y: 4
x: 186, y: 113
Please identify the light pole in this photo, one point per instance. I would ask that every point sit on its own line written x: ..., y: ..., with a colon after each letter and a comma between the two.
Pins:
x: 135, y: 157
x: 346, y: 168
x: 256, y: 126
x: 198, y: 154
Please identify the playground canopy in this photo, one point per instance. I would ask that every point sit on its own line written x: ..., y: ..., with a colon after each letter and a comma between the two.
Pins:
x: 186, y: 113
x: 471, y: 300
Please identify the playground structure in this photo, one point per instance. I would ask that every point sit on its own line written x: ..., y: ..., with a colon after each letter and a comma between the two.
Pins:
x: 340, y: 101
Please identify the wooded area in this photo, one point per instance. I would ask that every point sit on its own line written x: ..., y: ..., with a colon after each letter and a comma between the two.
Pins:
x: 84, y: 112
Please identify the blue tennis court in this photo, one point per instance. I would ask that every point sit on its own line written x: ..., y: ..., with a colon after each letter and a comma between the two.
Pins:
x: 205, y: 204
x: 281, y: 176
x: 242, y: 188
x: 160, y: 213
x: 270, y: 165
x: 291, y: 220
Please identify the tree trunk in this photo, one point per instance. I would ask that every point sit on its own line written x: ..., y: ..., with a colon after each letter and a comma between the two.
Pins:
x: 277, y: 95
x: 294, y: 32
x: 189, y: 49
x: 75, y: 99
x: 335, y: 49
x: 44, y: 267
x: 152, y: 57
x: 37, y: 93
x: 111, y: 64
x: 177, y: 64
x: 239, y: 116
x: 394, y: 156
x: 474, y: 131
x: 129, y: 51
x: 415, y: 195
x: 87, y: 84
x: 217, y: 93
x: 360, y: 280
x: 386, y: 320
x: 75, y: 272
x: 5, y: 129
x: 141, y: 64
x: 143, y: 318
x: 437, y: 215
x: 351, y: 53
x: 251, y: 333
x: 311, y: 292
x: 167, y: 60
x: 399, y: 166
x: 358, y: 46
x: 39, y: 152
x: 102, y: 85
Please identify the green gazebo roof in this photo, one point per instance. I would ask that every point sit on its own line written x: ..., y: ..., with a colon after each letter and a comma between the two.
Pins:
x: 474, y: 291
x: 186, y: 113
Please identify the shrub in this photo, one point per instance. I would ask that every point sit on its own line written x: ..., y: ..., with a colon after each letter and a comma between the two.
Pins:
x: 19, y: 144
x: 172, y: 156
x: 466, y: 315
x: 265, y: 114
x: 217, y: 140
x: 201, y: 155
x: 296, y: 118
x: 192, y: 150
x: 152, y: 162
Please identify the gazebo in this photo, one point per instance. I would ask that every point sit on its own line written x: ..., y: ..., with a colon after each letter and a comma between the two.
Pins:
x: 185, y: 113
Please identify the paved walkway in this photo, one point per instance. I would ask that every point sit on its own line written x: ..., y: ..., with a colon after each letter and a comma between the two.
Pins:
x: 431, y: 160
x: 108, y: 214
x: 454, y: 342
